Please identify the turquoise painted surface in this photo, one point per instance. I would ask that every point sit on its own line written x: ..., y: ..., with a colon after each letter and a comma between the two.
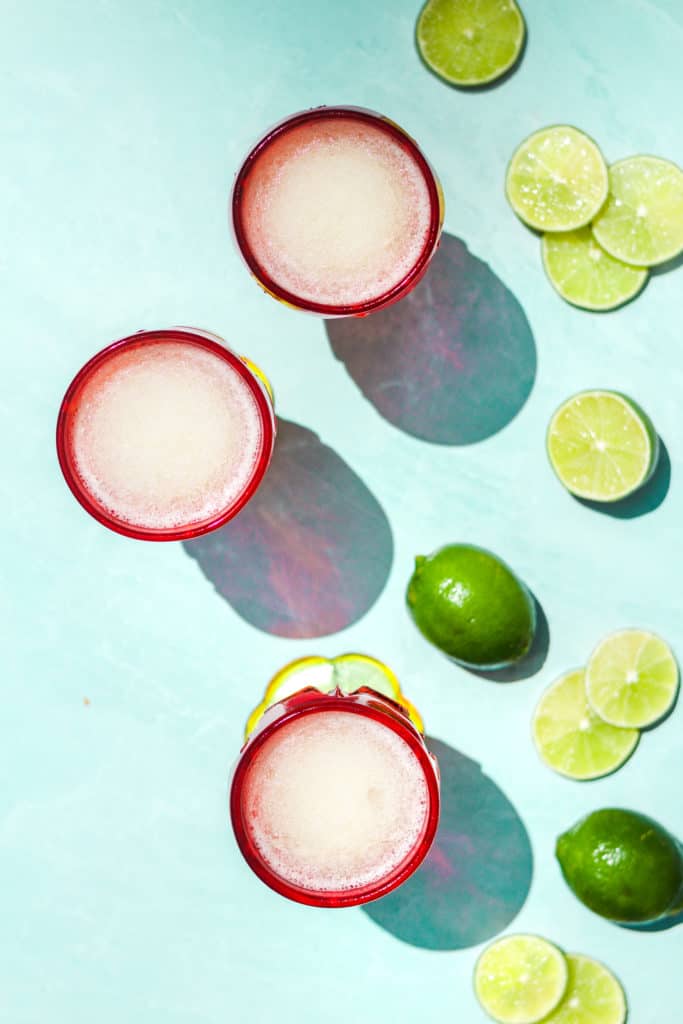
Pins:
x: 124, y: 897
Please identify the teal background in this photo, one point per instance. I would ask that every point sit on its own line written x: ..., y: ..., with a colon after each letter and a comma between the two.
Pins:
x: 123, y: 895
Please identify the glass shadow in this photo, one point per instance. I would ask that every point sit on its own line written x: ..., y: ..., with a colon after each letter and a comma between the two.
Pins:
x: 477, y: 875
x: 453, y: 362
x: 310, y: 553
x: 644, y: 500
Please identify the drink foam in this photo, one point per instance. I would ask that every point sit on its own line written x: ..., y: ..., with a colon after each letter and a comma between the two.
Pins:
x: 335, y: 801
x: 335, y: 211
x: 165, y: 434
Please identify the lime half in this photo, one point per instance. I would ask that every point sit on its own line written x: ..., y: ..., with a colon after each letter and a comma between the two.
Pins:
x: 585, y: 274
x: 601, y: 445
x: 593, y: 995
x: 470, y: 42
x: 642, y: 221
x: 571, y: 738
x: 557, y: 179
x: 520, y: 979
x: 632, y: 679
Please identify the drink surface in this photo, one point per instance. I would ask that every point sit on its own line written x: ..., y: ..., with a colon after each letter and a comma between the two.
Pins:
x: 165, y: 434
x: 335, y: 800
x: 336, y: 211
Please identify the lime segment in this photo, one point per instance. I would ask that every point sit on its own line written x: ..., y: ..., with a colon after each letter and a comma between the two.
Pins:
x: 557, y: 179
x: 593, y: 995
x: 470, y: 42
x: 601, y: 445
x: 585, y: 274
x: 571, y: 738
x: 520, y: 979
x: 632, y: 679
x: 642, y: 220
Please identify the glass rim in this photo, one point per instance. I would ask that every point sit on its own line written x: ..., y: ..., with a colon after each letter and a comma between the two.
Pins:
x: 187, y: 335
x: 408, y: 281
x: 319, y: 703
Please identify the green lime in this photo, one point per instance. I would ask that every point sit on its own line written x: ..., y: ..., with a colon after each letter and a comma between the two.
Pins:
x: 622, y: 866
x: 557, y: 179
x: 520, y: 979
x: 601, y: 445
x: 585, y: 274
x: 642, y: 220
x: 632, y: 679
x: 470, y: 604
x: 571, y: 738
x: 593, y: 995
x: 470, y: 42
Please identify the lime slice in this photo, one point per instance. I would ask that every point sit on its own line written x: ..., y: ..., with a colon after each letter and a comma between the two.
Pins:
x: 470, y: 42
x: 593, y: 995
x: 520, y: 979
x: 347, y: 673
x: 585, y: 274
x: 601, y: 445
x: 557, y: 179
x: 642, y: 220
x: 571, y: 738
x: 632, y: 679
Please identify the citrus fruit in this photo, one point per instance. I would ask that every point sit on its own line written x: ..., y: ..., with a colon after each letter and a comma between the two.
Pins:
x: 642, y: 220
x: 622, y: 865
x: 520, y: 979
x: 470, y: 604
x: 557, y: 179
x: 632, y: 679
x: 347, y: 673
x: 593, y: 995
x: 470, y: 42
x: 571, y: 738
x: 583, y: 273
x: 602, y: 445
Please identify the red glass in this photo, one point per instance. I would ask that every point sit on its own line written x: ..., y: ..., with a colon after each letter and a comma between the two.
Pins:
x: 436, y: 202
x: 70, y: 405
x: 362, y: 702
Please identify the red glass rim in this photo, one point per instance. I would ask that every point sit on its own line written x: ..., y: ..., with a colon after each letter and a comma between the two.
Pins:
x: 409, y: 280
x: 393, y: 719
x: 70, y: 402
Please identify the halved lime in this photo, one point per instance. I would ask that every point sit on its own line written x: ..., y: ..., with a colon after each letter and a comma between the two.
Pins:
x: 571, y: 738
x: 470, y: 42
x: 557, y: 179
x: 520, y: 979
x: 593, y: 995
x: 601, y: 445
x: 347, y: 673
x: 642, y: 220
x: 632, y: 678
x: 585, y: 274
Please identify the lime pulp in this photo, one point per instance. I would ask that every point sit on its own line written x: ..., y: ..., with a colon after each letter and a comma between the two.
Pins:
x: 593, y: 995
x: 470, y: 42
x: 571, y: 739
x: 601, y: 445
x: 583, y: 273
x: 520, y: 979
x: 557, y: 179
x: 632, y: 679
x: 642, y: 220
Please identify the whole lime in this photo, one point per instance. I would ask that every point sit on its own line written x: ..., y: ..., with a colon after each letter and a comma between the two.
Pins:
x: 622, y: 865
x: 471, y: 605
